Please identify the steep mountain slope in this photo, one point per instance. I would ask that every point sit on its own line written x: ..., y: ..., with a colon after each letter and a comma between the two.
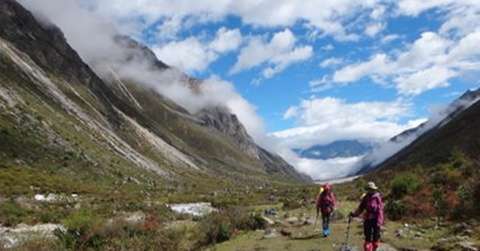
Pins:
x: 455, y: 133
x: 337, y: 149
x: 56, y: 114
x: 407, y: 138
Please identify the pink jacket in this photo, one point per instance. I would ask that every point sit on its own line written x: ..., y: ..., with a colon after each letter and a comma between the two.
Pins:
x: 372, y: 204
x: 326, y: 200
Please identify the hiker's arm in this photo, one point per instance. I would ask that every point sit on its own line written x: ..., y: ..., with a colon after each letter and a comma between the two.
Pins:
x: 359, y: 210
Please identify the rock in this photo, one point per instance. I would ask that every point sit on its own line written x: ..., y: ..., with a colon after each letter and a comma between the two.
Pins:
x: 400, y: 233
x: 12, y: 237
x: 467, y: 246
x: 386, y: 247
x: 268, y: 220
x: 308, y: 221
x: 292, y: 220
x: 270, y: 211
x: 285, y: 232
x: 135, y: 218
x: 270, y: 233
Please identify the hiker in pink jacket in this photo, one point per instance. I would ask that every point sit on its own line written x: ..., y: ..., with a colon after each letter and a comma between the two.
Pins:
x: 326, y: 205
x: 372, y: 209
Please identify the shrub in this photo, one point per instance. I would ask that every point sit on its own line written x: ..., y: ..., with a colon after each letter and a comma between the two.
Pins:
x: 220, y: 226
x: 290, y: 204
x: 11, y: 213
x: 404, y: 184
x: 81, y: 231
x: 395, y: 209
x: 216, y: 228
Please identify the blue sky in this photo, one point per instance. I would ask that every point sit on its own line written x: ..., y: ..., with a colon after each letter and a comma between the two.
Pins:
x: 273, y: 96
x: 299, y: 72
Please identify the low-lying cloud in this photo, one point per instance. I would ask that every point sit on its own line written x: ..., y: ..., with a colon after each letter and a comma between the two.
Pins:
x: 94, y: 38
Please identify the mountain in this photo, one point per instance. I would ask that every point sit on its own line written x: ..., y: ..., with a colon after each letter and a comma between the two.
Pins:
x: 459, y: 131
x: 336, y: 149
x: 83, y: 121
x: 407, y: 138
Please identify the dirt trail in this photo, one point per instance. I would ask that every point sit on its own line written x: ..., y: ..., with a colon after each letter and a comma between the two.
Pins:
x: 396, y: 235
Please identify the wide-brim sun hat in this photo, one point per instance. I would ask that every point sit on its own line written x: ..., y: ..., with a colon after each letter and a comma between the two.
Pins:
x: 371, y: 185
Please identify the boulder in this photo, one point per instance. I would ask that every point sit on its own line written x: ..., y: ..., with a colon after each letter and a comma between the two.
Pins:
x: 270, y: 233
x: 292, y: 220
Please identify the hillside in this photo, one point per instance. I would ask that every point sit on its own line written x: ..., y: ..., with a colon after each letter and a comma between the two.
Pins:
x: 58, y: 116
x: 407, y: 138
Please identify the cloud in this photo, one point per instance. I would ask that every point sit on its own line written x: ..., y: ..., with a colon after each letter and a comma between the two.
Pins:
x: 329, y: 62
x: 278, y: 53
x: 378, y: 64
x: 226, y: 40
x: 428, y: 63
x: 389, y: 38
x: 331, y: 18
x: 373, y: 29
x: 321, y: 84
x: 193, y: 55
x: 324, y: 120
x: 189, y: 55
x: 94, y: 39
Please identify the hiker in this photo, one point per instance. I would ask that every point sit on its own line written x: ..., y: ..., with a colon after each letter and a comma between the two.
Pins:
x: 372, y: 207
x: 326, y: 205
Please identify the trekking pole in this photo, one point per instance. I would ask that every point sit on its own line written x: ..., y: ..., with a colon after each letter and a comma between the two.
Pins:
x: 347, y: 235
x: 315, y: 223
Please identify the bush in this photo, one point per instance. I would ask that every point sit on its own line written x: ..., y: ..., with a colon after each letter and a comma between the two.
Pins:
x: 216, y: 228
x: 404, y: 184
x: 85, y: 231
x: 290, y: 204
x: 11, y: 213
x: 81, y: 231
x: 220, y: 226
x: 395, y: 210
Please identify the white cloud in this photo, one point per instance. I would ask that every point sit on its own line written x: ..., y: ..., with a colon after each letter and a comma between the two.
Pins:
x: 329, y: 62
x: 322, y: 84
x: 93, y: 38
x: 377, y: 65
x: 428, y: 63
x: 389, y: 38
x: 193, y: 55
x: 328, y: 169
x: 278, y: 53
x: 333, y: 18
x: 373, y: 29
x: 188, y: 55
x: 424, y: 80
x: 226, y: 40
x: 323, y: 120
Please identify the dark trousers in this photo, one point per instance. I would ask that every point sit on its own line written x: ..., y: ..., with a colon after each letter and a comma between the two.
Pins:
x: 371, y: 230
x: 325, y: 220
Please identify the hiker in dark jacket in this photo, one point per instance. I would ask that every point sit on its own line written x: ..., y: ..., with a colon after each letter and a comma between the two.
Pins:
x: 372, y: 209
x: 326, y: 205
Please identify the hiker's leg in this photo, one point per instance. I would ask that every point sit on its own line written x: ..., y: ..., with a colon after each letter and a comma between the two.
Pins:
x: 325, y: 225
x: 376, y: 236
x: 368, y: 231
